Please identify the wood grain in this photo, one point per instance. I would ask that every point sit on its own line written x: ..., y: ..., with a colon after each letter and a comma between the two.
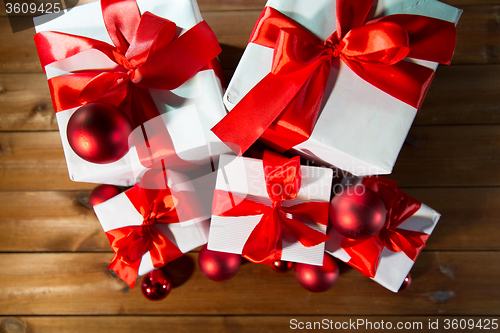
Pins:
x: 469, y: 221
x: 79, y: 284
x: 226, y: 324
x: 459, y: 95
x: 477, y: 42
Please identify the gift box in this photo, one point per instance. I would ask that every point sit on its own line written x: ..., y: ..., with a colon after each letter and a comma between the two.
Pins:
x: 270, y: 209
x: 159, y: 77
x: 387, y: 257
x: 153, y: 223
x: 345, y: 99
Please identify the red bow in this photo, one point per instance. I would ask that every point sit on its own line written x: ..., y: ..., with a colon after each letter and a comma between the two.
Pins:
x: 283, y: 107
x: 365, y: 253
x: 283, y: 180
x: 157, y: 207
x: 147, y: 53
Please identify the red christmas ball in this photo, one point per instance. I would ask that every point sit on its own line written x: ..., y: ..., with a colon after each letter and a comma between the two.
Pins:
x: 156, y: 285
x: 102, y: 193
x: 406, y: 283
x: 218, y: 266
x: 357, y: 212
x: 98, y: 132
x: 282, y: 266
x: 317, y: 278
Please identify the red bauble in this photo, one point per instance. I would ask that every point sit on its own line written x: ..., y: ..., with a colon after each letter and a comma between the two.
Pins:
x: 156, y: 285
x: 218, y: 266
x: 102, y: 193
x: 357, y: 212
x: 98, y: 132
x: 282, y: 266
x: 318, y: 278
x: 406, y: 283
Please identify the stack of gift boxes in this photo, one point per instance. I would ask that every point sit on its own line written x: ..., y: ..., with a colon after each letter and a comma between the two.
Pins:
x: 140, y: 102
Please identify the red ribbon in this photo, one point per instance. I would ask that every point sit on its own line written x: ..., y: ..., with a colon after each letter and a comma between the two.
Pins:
x: 157, y: 206
x: 283, y: 180
x: 365, y: 253
x: 283, y: 107
x: 147, y: 53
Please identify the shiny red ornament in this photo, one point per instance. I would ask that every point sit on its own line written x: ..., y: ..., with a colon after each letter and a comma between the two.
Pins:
x: 357, y: 212
x: 102, y: 193
x: 98, y: 132
x: 218, y: 266
x: 156, y: 285
x: 282, y: 266
x: 406, y: 283
x: 317, y: 278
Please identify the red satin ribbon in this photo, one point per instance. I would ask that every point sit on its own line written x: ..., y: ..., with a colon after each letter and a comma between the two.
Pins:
x: 365, y: 253
x: 157, y: 206
x: 283, y: 180
x: 283, y: 107
x: 147, y: 53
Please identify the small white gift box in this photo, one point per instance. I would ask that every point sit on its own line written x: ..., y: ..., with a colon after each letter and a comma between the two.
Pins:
x: 360, y: 128
x: 188, y: 112
x: 190, y: 232
x: 393, y: 267
x: 244, y: 178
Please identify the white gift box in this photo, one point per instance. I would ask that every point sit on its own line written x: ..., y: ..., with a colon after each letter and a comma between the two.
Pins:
x: 244, y: 177
x: 188, y: 112
x: 393, y: 267
x: 190, y: 233
x: 360, y: 129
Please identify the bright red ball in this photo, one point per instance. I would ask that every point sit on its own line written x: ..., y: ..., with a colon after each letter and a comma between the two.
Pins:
x: 357, y: 212
x: 156, y: 285
x: 102, y: 193
x: 282, y: 266
x: 317, y: 278
x: 98, y: 132
x: 406, y: 283
x: 218, y: 266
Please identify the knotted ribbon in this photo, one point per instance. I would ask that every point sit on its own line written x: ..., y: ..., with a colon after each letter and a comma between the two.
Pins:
x: 147, y: 52
x: 160, y: 206
x: 283, y: 181
x: 365, y: 253
x: 283, y: 107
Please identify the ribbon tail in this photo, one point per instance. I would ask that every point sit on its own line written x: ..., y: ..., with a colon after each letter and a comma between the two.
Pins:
x: 365, y: 254
x: 162, y: 249
x: 126, y: 272
x: 264, y: 245
x: 306, y: 235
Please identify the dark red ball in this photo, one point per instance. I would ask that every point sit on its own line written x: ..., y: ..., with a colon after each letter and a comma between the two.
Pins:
x: 282, y: 266
x: 102, y: 193
x: 98, y: 132
x: 406, y: 283
x: 156, y: 285
x: 357, y: 212
x: 317, y: 278
x: 218, y: 266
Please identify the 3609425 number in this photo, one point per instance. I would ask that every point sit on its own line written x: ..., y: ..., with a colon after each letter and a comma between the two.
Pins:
x: 32, y: 8
x: 484, y: 324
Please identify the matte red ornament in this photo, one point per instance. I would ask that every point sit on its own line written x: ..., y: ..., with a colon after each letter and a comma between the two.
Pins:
x: 357, y: 212
x: 317, y: 278
x: 218, y: 266
x: 282, y: 266
x: 406, y: 283
x: 98, y: 132
x: 102, y: 193
x: 156, y: 285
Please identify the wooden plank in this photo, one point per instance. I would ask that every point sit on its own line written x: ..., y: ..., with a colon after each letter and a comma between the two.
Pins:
x: 478, y: 34
x: 233, y: 324
x: 459, y: 95
x: 469, y: 221
x: 449, y: 156
x: 437, y: 156
x: 79, y: 284
x: 34, y: 160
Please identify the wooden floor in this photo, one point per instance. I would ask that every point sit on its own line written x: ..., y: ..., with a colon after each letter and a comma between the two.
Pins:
x: 53, y: 252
